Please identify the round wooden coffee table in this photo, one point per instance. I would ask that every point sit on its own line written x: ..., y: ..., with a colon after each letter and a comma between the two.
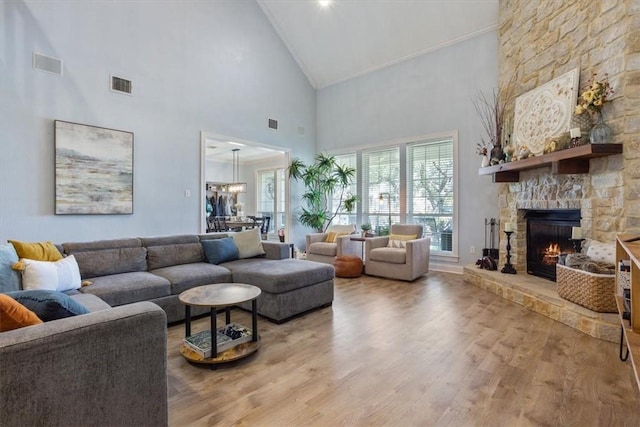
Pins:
x: 216, y: 296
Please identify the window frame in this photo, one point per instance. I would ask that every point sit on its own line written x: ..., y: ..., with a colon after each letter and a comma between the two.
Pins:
x: 402, y: 145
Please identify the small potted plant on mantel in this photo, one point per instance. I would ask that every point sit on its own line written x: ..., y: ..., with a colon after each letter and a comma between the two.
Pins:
x: 366, y: 228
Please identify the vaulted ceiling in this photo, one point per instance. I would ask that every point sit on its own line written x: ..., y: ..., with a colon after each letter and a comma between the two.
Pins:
x: 348, y: 38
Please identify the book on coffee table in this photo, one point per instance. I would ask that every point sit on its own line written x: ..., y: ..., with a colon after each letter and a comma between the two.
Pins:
x: 201, y: 341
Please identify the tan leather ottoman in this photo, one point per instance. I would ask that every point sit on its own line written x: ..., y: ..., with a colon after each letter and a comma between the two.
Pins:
x: 348, y: 266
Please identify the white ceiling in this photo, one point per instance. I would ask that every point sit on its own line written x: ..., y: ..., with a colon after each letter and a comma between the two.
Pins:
x: 353, y: 37
x: 222, y: 151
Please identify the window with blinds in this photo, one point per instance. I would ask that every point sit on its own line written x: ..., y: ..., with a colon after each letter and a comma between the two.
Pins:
x: 423, y: 171
x: 381, y: 188
x: 430, y: 189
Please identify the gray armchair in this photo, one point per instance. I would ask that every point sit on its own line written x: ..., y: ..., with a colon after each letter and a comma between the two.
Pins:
x: 402, y: 263
x: 318, y: 249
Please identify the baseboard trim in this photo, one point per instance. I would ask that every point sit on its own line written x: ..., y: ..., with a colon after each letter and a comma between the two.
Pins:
x: 446, y: 268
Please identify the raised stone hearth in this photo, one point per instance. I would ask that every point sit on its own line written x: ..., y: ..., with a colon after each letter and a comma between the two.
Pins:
x: 541, y: 296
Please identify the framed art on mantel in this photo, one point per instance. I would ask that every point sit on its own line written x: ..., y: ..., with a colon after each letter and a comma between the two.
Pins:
x: 545, y: 111
x: 94, y: 170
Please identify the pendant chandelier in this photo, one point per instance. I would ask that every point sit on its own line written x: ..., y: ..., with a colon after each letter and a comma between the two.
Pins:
x: 236, y: 187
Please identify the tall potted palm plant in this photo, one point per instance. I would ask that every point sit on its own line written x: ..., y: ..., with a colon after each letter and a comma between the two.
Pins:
x: 324, y: 180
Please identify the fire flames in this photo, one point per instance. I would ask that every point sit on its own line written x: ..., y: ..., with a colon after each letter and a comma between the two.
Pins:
x: 551, y: 254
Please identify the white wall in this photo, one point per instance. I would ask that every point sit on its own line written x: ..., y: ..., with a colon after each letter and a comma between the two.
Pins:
x: 426, y: 95
x: 215, y: 66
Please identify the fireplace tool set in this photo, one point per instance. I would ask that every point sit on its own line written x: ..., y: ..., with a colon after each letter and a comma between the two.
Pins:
x: 489, y: 260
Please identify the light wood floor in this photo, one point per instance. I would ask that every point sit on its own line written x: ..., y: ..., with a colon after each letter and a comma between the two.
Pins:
x: 433, y: 352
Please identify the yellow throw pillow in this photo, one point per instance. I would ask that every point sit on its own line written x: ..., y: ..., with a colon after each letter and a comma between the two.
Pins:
x: 14, y: 315
x: 400, y: 240
x: 38, y: 251
x: 332, y: 236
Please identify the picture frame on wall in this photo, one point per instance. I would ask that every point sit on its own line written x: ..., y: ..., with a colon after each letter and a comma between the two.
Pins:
x: 93, y: 170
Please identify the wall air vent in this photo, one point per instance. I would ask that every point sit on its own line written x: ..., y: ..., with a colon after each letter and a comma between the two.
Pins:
x: 273, y: 124
x: 120, y: 85
x: 47, y: 63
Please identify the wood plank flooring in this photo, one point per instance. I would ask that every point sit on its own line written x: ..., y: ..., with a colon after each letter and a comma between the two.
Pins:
x: 433, y: 352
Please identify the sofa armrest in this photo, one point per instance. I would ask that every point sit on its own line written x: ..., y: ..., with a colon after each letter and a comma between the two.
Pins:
x: 418, y: 251
x: 346, y: 246
x: 107, y: 367
x: 276, y: 250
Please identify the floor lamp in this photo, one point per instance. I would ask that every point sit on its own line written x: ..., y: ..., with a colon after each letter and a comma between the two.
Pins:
x: 381, y: 198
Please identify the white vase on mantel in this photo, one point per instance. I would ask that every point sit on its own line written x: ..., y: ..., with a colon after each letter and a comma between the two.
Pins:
x: 485, y: 161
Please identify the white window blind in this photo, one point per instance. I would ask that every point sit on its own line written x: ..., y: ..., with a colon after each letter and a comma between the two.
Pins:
x: 430, y: 189
x: 381, y: 177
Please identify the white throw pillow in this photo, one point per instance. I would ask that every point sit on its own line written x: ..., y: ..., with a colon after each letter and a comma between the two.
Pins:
x: 249, y: 243
x: 602, y: 252
x: 63, y: 275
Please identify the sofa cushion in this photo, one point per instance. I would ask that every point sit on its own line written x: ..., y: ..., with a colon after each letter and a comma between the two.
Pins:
x: 187, y: 276
x: 342, y: 228
x: 277, y: 276
x: 62, y: 275
x: 391, y: 255
x: 90, y: 302
x: 126, y: 288
x: 177, y: 239
x: 41, y: 251
x: 98, y: 263
x: 218, y: 251
x: 9, y: 278
x: 97, y: 245
x: 49, y: 305
x: 249, y: 243
x: 15, y: 315
x: 323, y: 248
x: 168, y: 255
x: 212, y: 236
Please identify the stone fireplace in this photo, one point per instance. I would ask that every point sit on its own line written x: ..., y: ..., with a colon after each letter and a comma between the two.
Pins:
x: 537, y: 43
x: 598, y: 197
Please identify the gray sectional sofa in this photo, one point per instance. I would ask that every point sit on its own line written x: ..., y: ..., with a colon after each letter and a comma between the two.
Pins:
x: 105, y: 368
x: 158, y: 269
x: 108, y: 367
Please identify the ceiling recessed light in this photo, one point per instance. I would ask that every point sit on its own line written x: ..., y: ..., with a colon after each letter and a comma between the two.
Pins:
x: 324, y: 3
x: 235, y: 143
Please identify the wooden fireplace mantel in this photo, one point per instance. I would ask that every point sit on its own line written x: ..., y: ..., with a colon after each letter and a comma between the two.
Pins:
x: 571, y: 160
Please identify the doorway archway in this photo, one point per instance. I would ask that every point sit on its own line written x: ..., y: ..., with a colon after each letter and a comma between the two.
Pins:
x: 255, y: 162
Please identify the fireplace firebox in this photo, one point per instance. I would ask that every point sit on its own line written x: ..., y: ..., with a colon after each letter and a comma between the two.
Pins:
x: 549, y: 236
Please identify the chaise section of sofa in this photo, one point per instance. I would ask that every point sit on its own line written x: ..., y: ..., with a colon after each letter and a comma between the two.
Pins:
x: 289, y: 287
x: 108, y: 367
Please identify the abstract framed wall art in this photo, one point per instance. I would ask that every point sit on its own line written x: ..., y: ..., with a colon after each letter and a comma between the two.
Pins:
x: 545, y: 111
x: 94, y: 170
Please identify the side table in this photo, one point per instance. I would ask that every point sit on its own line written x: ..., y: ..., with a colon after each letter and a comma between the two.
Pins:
x: 215, y: 296
x: 362, y: 241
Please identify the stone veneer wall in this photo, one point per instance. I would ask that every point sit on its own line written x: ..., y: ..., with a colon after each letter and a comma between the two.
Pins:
x: 543, y: 39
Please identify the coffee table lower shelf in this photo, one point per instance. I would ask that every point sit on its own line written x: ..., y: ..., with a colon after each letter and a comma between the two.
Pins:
x: 235, y: 353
